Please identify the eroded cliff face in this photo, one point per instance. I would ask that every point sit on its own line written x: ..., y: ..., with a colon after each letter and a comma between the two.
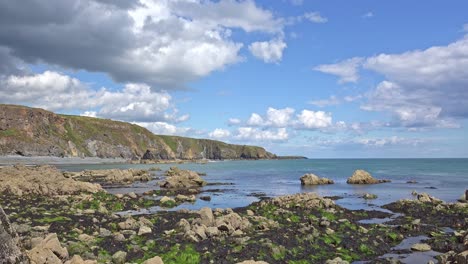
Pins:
x: 37, y: 132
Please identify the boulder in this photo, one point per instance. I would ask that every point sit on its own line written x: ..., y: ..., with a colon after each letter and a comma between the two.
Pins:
x: 312, y: 179
x: 155, y: 260
x: 78, y: 260
x: 462, y: 258
x: 206, y: 216
x: 178, y: 179
x: 119, y: 257
x: 363, y: 177
x: 144, y: 230
x: 336, y: 260
x: 426, y: 198
x: 121, y: 176
x: 48, y: 250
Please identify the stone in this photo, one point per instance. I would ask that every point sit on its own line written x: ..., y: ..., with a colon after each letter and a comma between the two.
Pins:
x: 312, y: 179
x: 119, y: 257
x: 363, y: 177
x: 155, y: 260
x: 129, y: 224
x: 178, y: 179
x: 48, y: 250
x: 132, y: 195
x: 462, y: 258
x: 205, y: 198
x: 10, y: 251
x: 166, y: 199
x: 85, y: 238
x: 212, y: 231
x: 206, y: 216
x: 144, y: 230
x: 426, y: 198
x: 421, y: 247
x: 250, y: 213
x: 78, y: 260
x: 119, y: 237
x: 336, y: 260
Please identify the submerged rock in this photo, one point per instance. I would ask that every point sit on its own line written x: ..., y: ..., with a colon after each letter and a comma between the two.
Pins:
x: 43, y: 180
x: 363, y: 177
x: 312, y: 179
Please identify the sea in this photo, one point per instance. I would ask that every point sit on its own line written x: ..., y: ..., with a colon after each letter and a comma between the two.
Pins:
x: 239, y: 183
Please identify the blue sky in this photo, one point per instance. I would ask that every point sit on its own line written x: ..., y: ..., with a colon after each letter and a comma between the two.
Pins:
x: 321, y: 79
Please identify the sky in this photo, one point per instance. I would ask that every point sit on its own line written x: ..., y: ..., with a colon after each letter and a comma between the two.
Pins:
x: 322, y: 79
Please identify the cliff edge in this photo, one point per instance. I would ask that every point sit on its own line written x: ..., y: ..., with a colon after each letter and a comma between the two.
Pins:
x: 36, y: 132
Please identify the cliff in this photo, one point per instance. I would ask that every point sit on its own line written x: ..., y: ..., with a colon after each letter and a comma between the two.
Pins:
x: 36, y: 132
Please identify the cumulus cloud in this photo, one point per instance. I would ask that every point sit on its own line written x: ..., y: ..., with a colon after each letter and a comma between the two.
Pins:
x: 314, y: 119
x: 255, y: 120
x: 163, y: 128
x: 268, y: 51
x: 59, y: 92
x: 256, y: 134
x: 315, y: 17
x: 234, y: 121
x: 161, y: 43
x: 347, y: 70
x: 273, y: 118
x: 219, y: 133
x: 421, y: 88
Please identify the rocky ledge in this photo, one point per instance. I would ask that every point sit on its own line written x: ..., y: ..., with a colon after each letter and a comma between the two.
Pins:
x: 112, y: 176
x: 41, y: 180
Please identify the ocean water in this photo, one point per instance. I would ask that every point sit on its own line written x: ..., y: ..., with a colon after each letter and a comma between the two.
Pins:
x: 238, y: 183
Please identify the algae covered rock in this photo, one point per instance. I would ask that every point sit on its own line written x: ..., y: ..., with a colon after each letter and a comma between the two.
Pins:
x: 312, y: 179
x: 363, y: 177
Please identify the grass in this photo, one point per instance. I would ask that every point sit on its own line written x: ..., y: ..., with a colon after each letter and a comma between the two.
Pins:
x: 48, y: 220
x: 8, y: 132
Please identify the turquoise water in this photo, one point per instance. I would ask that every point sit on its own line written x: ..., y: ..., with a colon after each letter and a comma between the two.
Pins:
x: 237, y: 181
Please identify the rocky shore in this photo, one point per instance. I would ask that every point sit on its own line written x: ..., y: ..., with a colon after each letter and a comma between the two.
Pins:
x: 75, y: 225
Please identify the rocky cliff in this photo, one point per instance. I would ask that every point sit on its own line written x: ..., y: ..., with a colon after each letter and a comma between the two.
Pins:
x: 36, y: 132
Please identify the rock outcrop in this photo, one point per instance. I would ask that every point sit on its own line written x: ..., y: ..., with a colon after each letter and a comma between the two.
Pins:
x: 10, y: 251
x: 36, y: 132
x: 363, y: 177
x: 178, y: 179
x: 110, y: 176
x: 48, y: 251
x: 312, y: 179
x: 305, y: 200
x: 41, y: 180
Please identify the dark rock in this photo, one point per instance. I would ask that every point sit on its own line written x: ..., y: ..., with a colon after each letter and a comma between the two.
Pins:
x: 205, y: 198
x: 9, y: 242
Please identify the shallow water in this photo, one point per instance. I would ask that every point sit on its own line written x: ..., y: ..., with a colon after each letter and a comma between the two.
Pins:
x: 449, y: 177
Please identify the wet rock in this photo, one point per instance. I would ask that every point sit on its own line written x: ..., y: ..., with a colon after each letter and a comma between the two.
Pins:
x: 129, y: 224
x: 177, y: 179
x: 421, y: 247
x: 119, y: 257
x: 426, y: 198
x: 166, y: 199
x: 42, y: 180
x: 85, y: 238
x: 155, y: 260
x: 307, y: 200
x: 183, y: 198
x: 312, y: 179
x: 205, y: 198
x: 363, y: 177
x: 412, y: 182
x: 132, y: 195
x: 369, y: 196
x: 336, y: 260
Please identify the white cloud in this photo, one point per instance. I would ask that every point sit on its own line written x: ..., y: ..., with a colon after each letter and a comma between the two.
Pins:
x: 297, y: 2
x: 347, y: 70
x: 279, y: 117
x: 269, y: 51
x: 421, y: 88
x: 164, y: 44
x: 163, y: 128
x: 314, y: 120
x: 59, y: 92
x: 219, y: 133
x: 255, y: 134
x: 333, y: 100
x: 234, y: 121
x: 255, y: 120
x: 315, y: 17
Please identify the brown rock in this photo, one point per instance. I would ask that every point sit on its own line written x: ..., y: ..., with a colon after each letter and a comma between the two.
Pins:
x: 312, y: 179
x: 177, y: 178
x: 363, y: 177
x: 155, y: 260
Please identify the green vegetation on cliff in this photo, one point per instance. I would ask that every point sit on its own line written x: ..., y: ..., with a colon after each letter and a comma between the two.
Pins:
x: 37, y: 132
